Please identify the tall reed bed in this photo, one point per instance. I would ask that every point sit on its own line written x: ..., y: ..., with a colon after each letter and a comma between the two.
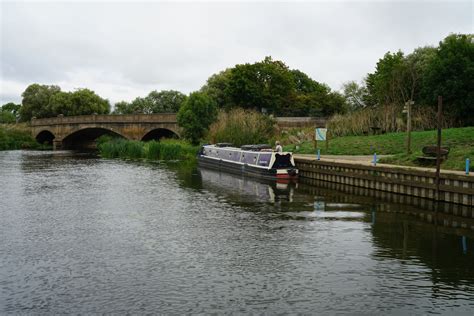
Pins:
x: 388, y: 118
x: 152, y: 150
x: 240, y: 127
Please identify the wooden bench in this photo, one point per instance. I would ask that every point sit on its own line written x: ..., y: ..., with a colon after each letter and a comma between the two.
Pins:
x: 430, y: 154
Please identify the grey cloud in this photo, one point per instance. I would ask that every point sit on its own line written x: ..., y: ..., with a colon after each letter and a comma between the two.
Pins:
x: 122, y: 50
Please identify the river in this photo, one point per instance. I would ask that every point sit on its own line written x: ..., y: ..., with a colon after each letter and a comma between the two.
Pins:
x: 83, y: 235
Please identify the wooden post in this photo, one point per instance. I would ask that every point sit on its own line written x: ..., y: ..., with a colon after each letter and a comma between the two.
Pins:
x: 409, y: 104
x: 438, y: 146
x: 327, y: 143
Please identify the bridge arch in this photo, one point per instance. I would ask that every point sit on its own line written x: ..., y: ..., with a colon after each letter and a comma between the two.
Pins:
x: 45, y: 137
x: 85, y: 138
x: 159, y: 133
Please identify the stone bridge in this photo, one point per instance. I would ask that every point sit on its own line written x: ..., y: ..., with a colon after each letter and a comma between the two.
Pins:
x: 67, y: 132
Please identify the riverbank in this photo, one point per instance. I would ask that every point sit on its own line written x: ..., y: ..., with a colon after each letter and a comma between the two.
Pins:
x: 168, y: 149
x: 18, y: 136
x: 455, y: 186
x: 459, y: 140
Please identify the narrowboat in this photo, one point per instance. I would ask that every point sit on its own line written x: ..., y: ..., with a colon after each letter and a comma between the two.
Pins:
x: 252, y: 160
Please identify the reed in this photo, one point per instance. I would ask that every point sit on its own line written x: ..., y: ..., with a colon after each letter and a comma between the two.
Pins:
x: 388, y: 118
x: 152, y: 150
x: 240, y: 127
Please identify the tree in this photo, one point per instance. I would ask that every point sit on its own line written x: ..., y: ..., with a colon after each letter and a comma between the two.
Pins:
x: 61, y: 103
x: 122, y: 107
x: 216, y: 88
x: 386, y: 83
x: 79, y: 102
x: 85, y: 101
x: 165, y: 101
x: 264, y: 85
x: 195, y: 116
x: 9, y: 112
x: 354, y: 94
x: 451, y: 74
x: 35, y: 101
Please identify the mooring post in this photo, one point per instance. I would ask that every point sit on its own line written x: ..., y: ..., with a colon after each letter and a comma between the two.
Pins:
x: 318, y: 154
x: 467, y: 166
x: 375, y: 159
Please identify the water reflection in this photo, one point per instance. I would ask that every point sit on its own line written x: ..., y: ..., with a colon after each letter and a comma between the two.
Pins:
x: 86, y: 235
x: 242, y: 189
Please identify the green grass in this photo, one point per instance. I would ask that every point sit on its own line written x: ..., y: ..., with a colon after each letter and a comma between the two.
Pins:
x: 460, y: 141
x: 169, y: 149
x: 18, y: 136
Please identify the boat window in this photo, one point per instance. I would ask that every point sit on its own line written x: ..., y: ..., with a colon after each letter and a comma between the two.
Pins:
x: 251, y: 159
x: 264, y: 159
x: 235, y: 156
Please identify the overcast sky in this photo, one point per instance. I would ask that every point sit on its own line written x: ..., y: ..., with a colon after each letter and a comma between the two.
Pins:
x: 123, y: 50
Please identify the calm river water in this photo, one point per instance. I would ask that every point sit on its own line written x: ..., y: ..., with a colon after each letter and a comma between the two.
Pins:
x: 83, y: 235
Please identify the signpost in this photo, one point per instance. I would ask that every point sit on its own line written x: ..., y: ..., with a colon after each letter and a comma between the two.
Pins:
x: 321, y: 135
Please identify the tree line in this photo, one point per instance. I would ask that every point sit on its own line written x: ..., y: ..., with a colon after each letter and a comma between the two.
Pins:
x: 270, y: 86
x: 421, y: 76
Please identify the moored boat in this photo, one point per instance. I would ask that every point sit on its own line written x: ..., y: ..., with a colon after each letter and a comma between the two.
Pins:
x: 252, y: 160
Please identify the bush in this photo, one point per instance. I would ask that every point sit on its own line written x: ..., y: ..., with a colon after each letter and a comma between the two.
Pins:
x: 240, y: 127
x: 17, y: 137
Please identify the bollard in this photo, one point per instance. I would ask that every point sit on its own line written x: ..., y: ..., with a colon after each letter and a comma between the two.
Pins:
x: 467, y: 166
x: 319, y: 154
x: 375, y: 159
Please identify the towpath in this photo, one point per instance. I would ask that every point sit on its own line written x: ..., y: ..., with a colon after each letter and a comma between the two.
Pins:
x: 368, y: 160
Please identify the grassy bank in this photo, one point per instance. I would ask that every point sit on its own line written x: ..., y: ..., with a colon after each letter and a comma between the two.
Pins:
x: 17, y: 136
x: 152, y: 150
x: 459, y: 140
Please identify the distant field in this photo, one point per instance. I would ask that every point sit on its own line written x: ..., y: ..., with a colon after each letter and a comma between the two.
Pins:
x: 460, y: 141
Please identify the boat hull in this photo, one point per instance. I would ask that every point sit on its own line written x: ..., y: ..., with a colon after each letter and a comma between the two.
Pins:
x: 283, y: 175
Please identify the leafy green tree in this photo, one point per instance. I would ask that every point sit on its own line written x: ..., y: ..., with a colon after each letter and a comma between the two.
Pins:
x: 141, y: 106
x: 354, y: 94
x: 85, y: 101
x: 385, y: 84
x: 451, y: 75
x: 165, y: 101
x: 61, y: 103
x: 216, y: 88
x: 11, y: 107
x: 79, y: 102
x: 271, y: 85
x: 123, y: 107
x: 9, y: 112
x: 263, y: 85
x: 195, y: 116
x: 35, y: 101
x: 7, y: 117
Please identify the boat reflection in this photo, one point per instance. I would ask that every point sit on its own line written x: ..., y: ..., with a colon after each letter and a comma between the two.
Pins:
x: 244, y: 189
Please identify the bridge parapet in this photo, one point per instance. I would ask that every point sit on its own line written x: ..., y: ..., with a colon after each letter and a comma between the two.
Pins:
x: 106, y: 119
